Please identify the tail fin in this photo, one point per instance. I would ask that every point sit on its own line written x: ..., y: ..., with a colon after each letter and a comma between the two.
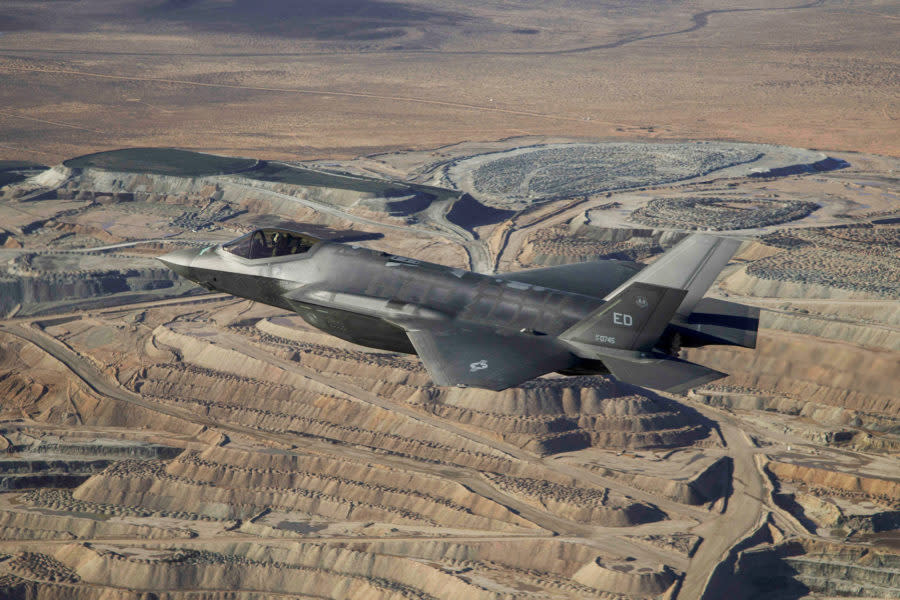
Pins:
x: 692, y: 265
x: 629, y: 323
x: 622, y: 333
x: 624, y: 330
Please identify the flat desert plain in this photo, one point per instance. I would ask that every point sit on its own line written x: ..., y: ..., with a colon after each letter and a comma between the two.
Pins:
x: 349, y: 77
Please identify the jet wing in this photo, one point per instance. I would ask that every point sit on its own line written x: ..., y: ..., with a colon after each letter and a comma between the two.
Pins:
x: 596, y: 278
x: 661, y: 372
x: 478, y: 356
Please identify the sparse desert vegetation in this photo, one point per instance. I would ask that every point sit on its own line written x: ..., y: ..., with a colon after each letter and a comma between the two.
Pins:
x: 160, y: 441
x: 858, y: 258
x: 355, y: 77
x: 720, y: 214
x: 167, y: 432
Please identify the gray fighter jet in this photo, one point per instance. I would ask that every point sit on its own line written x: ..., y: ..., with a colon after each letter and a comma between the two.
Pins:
x: 492, y: 331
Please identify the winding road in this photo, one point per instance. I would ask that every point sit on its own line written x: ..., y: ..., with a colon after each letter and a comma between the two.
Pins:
x: 699, y: 21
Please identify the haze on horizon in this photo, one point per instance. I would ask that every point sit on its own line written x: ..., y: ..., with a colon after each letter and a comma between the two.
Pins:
x: 162, y: 440
x: 316, y: 79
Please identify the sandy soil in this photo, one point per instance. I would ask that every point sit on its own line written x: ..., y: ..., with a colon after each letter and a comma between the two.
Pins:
x: 163, y: 441
x: 265, y: 433
x: 81, y: 77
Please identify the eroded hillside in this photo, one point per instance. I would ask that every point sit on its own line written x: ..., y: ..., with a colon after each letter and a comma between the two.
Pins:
x: 163, y: 440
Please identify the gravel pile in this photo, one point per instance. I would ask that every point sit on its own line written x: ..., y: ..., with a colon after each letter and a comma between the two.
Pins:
x: 578, y: 169
x: 720, y: 214
x: 861, y: 258
x: 859, y: 273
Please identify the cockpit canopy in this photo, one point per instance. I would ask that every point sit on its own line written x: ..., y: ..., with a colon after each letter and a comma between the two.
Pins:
x: 269, y: 243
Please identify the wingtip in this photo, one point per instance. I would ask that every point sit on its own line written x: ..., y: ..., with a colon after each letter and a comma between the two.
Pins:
x: 662, y: 373
x: 709, y: 377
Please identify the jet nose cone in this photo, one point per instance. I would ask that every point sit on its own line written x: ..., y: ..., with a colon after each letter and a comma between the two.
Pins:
x: 179, y: 261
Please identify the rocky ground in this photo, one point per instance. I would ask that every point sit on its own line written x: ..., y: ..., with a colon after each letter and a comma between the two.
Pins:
x: 533, y: 174
x: 721, y: 213
x: 162, y: 441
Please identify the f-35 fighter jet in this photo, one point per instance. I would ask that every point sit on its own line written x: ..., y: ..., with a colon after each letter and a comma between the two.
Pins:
x: 493, y: 331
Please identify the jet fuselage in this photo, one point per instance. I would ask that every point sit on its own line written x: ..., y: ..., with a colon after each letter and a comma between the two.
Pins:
x: 354, y: 293
x: 492, y: 331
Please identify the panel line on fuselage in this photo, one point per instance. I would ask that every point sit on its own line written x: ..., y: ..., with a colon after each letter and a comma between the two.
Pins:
x: 471, y: 298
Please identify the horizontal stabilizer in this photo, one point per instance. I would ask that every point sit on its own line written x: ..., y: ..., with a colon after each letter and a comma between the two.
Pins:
x: 479, y: 356
x: 661, y: 372
x: 717, y: 321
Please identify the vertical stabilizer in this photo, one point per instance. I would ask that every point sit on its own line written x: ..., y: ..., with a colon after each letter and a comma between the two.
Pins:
x: 631, y: 321
x: 692, y: 265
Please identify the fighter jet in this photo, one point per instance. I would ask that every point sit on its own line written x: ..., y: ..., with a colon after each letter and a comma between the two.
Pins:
x: 492, y: 331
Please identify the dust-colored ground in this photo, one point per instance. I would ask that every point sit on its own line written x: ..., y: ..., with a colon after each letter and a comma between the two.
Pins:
x: 164, y: 442
x: 279, y: 80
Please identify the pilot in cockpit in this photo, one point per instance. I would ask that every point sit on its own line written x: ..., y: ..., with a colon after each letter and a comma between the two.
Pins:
x: 266, y: 243
x: 283, y: 245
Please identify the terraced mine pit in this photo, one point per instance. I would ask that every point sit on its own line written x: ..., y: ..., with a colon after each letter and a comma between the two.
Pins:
x: 816, y: 568
x: 51, y: 461
x: 35, y: 283
x: 163, y: 441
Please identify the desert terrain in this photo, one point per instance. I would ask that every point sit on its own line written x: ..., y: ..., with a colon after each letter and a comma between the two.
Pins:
x: 345, y: 78
x: 162, y: 441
